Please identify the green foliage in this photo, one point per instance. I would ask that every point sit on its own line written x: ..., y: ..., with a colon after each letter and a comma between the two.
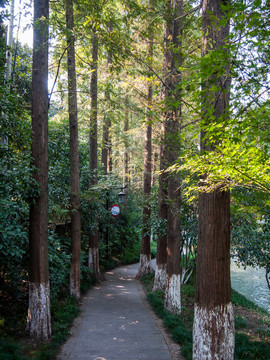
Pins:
x: 16, y: 189
x: 240, y: 322
x: 250, y: 227
x: 63, y: 314
x: 247, y: 349
x: 9, y: 350
x: 21, y: 81
x: 59, y: 264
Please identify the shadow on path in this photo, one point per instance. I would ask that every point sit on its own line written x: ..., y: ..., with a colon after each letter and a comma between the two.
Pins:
x: 117, y: 323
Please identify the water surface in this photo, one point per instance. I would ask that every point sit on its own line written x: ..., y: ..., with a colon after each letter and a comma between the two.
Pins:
x: 252, y: 284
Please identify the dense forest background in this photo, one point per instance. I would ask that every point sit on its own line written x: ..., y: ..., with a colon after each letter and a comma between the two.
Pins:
x: 122, y: 43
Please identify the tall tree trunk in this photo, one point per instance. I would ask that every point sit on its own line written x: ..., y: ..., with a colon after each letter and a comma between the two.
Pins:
x: 74, y: 157
x: 93, y: 117
x: 161, y: 257
x: 213, y: 327
x: 10, y: 41
x: 106, y: 140
x: 93, y: 260
x: 39, y: 318
x: 145, y: 256
x: 126, y: 128
x: 173, y: 43
x: 155, y: 165
x: 167, y: 275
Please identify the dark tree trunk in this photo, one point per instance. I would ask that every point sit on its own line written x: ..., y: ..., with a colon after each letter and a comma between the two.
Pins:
x: 106, y: 158
x: 213, y: 328
x: 173, y: 43
x: 161, y: 257
x: 155, y: 166
x: 126, y: 128
x: 74, y: 157
x: 93, y: 261
x: 105, y: 140
x: 145, y: 256
x: 39, y: 321
x: 168, y: 249
x: 93, y: 117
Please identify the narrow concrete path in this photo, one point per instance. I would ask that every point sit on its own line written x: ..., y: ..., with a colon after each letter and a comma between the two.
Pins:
x: 116, y: 323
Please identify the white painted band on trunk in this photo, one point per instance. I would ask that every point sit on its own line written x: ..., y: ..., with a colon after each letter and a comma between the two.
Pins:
x: 213, y: 333
x: 145, y: 265
x: 39, y: 315
x: 93, y: 259
x: 160, y: 277
x: 173, y: 294
x: 74, y: 285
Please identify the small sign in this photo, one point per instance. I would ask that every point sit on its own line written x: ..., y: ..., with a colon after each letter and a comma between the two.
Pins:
x: 115, y: 210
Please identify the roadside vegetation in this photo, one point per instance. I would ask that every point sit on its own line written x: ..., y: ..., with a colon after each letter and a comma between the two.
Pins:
x: 129, y: 92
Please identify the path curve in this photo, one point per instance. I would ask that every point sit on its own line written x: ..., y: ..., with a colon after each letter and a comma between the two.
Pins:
x: 117, y: 323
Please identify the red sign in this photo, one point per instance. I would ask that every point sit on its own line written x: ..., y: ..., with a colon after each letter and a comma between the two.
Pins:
x: 115, y: 210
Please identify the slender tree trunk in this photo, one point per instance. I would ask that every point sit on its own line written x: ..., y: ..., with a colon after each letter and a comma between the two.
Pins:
x: 93, y: 117
x: 39, y: 318
x: 161, y: 257
x: 126, y: 128
x: 167, y: 275
x: 93, y: 261
x: 155, y: 166
x: 145, y: 256
x: 173, y: 43
x: 172, y: 290
x: 213, y: 327
x: 74, y: 157
x: 106, y: 141
x: 4, y: 139
x: 10, y: 41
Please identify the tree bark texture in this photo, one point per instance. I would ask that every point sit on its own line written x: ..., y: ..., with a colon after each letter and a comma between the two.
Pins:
x: 93, y: 261
x: 74, y: 157
x: 10, y: 41
x: 213, y: 328
x: 145, y: 256
x: 106, y: 155
x: 161, y: 257
x: 39, y: 319
x: 93, y: 117
x: 173, y: 42
x: 126, y: 128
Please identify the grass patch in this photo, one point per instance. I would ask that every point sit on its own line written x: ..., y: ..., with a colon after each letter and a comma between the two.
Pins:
x: 9, y: 350
x: 246, y: 349
x: 240, y: 322
x: 240, y: 300
x: 16, y: 345
x: 252, y: 324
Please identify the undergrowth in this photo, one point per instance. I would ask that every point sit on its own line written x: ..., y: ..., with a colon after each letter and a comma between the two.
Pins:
x: 19, y: 347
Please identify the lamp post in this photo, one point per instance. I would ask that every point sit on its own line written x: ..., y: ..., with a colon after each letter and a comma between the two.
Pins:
x: 122, y: 195
x: 121, y: 200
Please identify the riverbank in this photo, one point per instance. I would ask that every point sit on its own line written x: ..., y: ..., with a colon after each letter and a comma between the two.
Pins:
x: 251, y: 283
x: 252, y: 324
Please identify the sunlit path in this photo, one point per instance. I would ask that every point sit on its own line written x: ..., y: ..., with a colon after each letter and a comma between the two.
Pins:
x: 116, y: 323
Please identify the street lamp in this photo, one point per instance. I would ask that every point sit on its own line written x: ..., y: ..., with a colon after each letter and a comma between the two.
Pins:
x: 121, y: 196
x: 121, y: 200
